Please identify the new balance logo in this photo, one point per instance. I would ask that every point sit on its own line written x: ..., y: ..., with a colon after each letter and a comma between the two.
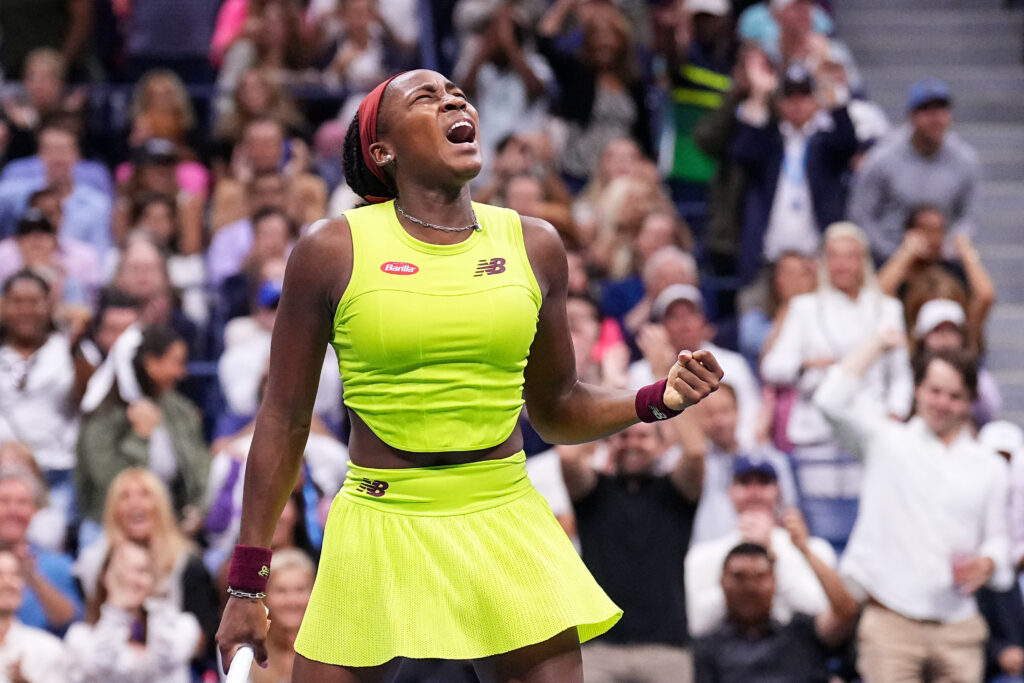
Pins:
x: 375, y: 488
x: 264, y: 571
x: 656, y: 412
x: 493, y: 267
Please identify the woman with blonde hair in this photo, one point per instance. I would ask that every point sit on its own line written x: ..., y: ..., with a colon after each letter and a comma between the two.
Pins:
x: 819, y: 329
x: 138, y: 509
x: 161, y: 107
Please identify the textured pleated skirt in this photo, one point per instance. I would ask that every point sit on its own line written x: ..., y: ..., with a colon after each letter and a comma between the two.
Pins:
x: 454, y: 562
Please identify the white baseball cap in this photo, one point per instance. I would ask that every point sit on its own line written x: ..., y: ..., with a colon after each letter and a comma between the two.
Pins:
x: 936, y: 312
x: 718, y: 8
x: 674, y: 293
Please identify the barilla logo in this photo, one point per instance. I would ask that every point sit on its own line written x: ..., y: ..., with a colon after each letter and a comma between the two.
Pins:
x: 399, y: 268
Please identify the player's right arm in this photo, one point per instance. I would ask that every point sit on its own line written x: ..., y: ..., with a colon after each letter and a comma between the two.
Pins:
x: 318, y: 271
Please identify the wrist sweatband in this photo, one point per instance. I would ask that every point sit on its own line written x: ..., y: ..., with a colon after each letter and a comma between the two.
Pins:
x: 650, y: 403
x: 250, y: 568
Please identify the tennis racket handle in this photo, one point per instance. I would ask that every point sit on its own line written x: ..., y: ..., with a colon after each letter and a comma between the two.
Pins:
x: 239, y: 671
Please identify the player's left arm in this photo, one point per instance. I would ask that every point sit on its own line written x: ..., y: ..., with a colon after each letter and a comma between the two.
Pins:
x: 561, y: 408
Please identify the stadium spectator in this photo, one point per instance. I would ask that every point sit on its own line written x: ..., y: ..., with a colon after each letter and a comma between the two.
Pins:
x: 795, y: 160
x: 51, y: 600
x: 700, y: 47
x: 752, y: 644
x: 507, y: 80
x: 819, y: 329
x: 50, y: 525
x: 134, y: 417
x: 115, y: 313
x: 634, y: 527
x: 273, y: 234
x: 623, y: 208
x: 1007, y: 439
x: 71, y: 267
x: 913, y: 268
x: 86, y: 211
x: 258, y: 94
x: 129, y: 634
x: 43, y: 96
x: 288, y: 591
x: 62, y: 25
x: 138, y: 510
x: 758, y: 517
x: 680, y: 323
x: 942, y: 324
x: 528, y: 195
x: 232, y: 242
x: 36, y: 383
x: 273, y: 37
x: 620, y: 157
x: 364, y: 48
x: 802, y: 38
x: 932, y: 525
x: 921, y: 164
x: 718, y: 418
x: 155, y: 172
x: 143, y: 272
x: 602, y: 94
x: 792, y: 274
x: 324, y: 468
x: 247, y: 349
x: 26, y: 653
x: 161, y: 108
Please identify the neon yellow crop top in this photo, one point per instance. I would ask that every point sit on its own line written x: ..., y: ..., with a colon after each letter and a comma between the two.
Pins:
x: 432, y: 339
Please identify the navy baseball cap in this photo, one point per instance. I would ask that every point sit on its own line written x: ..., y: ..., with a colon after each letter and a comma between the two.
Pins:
x: 745, y: 466
x: 926, y: 91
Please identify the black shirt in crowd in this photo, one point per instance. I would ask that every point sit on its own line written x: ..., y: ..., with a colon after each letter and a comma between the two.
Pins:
x: 634, y: 533
x: 784, y: 653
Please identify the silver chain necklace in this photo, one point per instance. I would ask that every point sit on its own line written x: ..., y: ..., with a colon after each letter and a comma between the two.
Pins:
x: 474, y: 226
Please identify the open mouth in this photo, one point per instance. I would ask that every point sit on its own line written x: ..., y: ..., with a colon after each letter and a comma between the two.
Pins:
x: 461, y: 132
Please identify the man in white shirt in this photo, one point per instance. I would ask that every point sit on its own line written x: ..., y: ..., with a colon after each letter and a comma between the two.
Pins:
x: 682, y: 324
x: 932, y: 526
x: 756, y: 496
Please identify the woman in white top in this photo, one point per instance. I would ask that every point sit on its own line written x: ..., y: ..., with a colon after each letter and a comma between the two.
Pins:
x: 819, y: 329
x: 37, y: 377
x: 130, y: 636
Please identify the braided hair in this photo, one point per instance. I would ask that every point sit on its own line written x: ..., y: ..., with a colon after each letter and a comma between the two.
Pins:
x: 362, y: 181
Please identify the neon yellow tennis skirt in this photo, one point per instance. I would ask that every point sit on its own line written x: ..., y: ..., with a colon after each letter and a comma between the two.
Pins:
x: 454, y: 562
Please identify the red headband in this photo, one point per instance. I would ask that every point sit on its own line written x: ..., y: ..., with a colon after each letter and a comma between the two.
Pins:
x: 368, y: 110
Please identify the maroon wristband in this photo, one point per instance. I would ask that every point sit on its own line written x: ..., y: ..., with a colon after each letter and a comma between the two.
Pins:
x: 650, y: 403
x: 250, y: 568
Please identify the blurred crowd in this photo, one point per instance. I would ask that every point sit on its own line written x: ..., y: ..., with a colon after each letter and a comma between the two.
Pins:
x: 846, y: 505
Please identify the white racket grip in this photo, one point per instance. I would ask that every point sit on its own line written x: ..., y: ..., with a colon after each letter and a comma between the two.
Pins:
x: 239, y: 671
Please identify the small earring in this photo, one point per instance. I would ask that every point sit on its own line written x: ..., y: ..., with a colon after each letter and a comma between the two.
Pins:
x: 387, y: 159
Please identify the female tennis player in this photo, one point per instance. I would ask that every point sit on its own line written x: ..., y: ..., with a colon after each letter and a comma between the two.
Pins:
x: 445, y: 314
